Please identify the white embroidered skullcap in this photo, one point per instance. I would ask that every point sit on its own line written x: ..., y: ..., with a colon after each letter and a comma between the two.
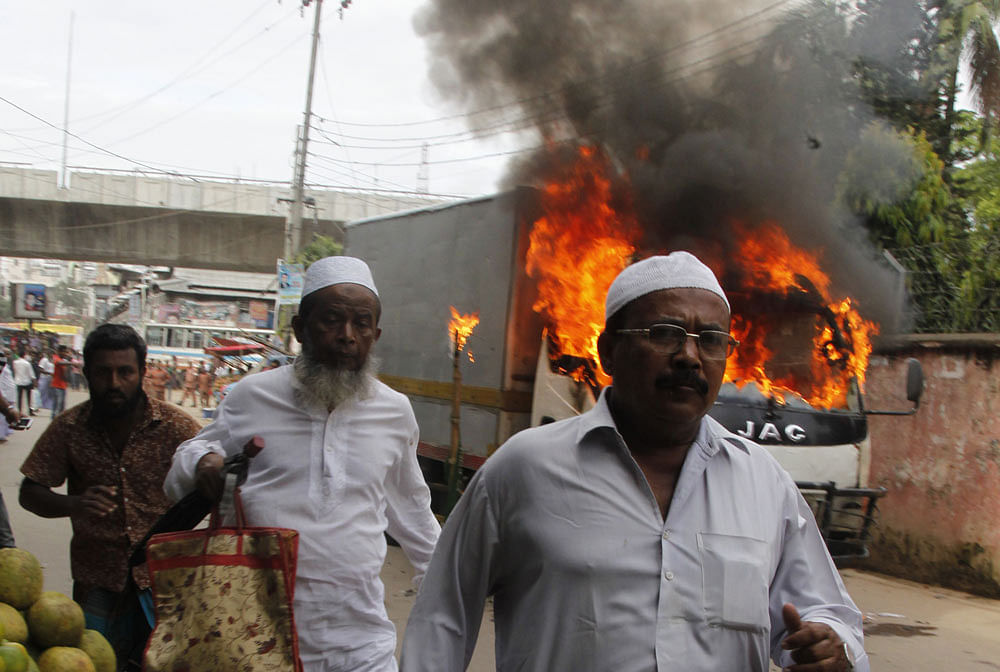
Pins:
x: 677, y: 270
x: 336, y: 271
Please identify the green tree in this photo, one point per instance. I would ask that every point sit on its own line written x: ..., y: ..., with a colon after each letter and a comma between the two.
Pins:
x: 319, y: 247
x: 966, y: 27
x: 978, y: 289
x: 73, y: 299
x: 895, y: 181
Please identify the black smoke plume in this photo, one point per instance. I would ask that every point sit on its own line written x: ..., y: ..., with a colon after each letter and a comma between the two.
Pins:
x: 716, y: 111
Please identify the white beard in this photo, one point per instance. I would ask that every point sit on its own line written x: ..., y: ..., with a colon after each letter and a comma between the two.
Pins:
x: 331, y: 387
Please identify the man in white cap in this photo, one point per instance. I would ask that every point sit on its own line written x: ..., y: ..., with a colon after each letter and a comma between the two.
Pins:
x: 339, y: 465
x: 640, y: 535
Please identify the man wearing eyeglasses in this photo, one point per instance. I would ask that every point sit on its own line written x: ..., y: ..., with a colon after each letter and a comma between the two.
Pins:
x: 640, y: 535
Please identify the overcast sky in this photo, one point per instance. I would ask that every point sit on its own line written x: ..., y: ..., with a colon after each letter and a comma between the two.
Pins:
x: 218, y: 87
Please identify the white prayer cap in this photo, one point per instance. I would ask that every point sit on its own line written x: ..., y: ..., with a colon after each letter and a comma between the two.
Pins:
x: 677, y: 270
x: 336, y: 271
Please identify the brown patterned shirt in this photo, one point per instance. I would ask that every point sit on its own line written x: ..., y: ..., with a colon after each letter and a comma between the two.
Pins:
x: 76, y: 447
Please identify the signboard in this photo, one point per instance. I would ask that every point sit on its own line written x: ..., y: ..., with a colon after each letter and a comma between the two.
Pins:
x: 289, y: 282
x: 28, y: 301
x: 258, y: 311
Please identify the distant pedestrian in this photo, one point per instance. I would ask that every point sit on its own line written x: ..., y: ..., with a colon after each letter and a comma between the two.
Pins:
x: 157, y: 376
x: 190, y: 385
x: 8, y: 396
x: 45, y: 371
x: 24, y: 378
x: 76, y: 378
x: 62, y: 365
x: 8, y: 418
x: 173, y: 379
x: 205, y: 379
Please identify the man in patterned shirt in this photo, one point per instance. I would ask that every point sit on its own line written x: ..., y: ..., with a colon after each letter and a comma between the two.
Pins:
x: 114, y: 450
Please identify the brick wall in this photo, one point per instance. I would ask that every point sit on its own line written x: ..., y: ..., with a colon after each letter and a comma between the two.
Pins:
x: 940, y: 521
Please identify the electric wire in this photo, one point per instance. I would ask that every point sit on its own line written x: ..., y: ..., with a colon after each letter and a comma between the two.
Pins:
x: 756, y: 16
x: 187, y: 73
x: 83, y: 140
x: 212, y: 96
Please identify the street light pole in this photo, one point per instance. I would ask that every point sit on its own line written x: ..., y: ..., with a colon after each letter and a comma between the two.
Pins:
x: 293, y: 225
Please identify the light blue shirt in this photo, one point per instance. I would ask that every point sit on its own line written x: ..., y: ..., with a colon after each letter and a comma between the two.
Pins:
x: 562, y: 529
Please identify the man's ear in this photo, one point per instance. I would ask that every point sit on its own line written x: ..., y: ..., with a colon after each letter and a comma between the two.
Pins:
x: 605, y: 351
x: 378, y: 332
x: 297, y: 327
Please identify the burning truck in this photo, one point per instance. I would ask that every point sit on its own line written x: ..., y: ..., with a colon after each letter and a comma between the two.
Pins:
x: 492, y: 308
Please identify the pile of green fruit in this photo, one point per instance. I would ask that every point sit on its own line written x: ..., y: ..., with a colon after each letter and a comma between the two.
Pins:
x: 43, y: 632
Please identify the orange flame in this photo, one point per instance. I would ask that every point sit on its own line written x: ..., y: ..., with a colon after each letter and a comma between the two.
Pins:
x: 796, y: 338
x: 460, y: 328
x: 576, y: 249
x: 840, y: 338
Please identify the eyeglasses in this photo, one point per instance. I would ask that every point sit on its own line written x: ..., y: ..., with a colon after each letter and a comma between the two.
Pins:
x: 670, y: 338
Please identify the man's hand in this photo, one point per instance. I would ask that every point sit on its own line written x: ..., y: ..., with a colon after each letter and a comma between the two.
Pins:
x: 12, y: 416
x: 208, y: 476
x: 815, y: 647
x: 97, y: 500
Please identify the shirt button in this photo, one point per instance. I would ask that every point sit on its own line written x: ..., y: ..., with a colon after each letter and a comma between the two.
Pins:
x: 669, y: 576
x: 666, y: 534
x: 125, y: 499
x: 123, y: 470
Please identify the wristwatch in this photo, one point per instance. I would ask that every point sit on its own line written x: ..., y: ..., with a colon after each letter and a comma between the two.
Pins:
x: 847, y: 656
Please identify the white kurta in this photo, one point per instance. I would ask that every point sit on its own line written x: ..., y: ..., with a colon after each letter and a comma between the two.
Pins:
x: 8, y: 390
x: 561, y: 527
x: 341, y: 479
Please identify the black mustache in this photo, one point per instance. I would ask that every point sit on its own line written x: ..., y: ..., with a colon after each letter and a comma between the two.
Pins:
x: 682, y: 379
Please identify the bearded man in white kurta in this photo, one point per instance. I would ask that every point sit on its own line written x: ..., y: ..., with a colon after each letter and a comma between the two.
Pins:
x: 339, y: 465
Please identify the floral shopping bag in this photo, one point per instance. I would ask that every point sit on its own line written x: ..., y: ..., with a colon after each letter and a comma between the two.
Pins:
x: 223, y: 599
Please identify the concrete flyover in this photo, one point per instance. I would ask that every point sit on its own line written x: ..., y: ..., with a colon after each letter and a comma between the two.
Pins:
x: 169, y: 221
x: 146, y: 235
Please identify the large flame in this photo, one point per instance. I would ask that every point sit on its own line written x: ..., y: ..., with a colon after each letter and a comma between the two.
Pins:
x: 796, y: 338
x: 577, y: 247
x: 460, y: 328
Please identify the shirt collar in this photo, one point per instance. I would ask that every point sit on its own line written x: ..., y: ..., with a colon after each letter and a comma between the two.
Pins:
x: 598, y: 416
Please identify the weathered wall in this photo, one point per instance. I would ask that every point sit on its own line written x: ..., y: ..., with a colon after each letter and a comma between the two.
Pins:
x: 154, y: 236
x: 940, y: 521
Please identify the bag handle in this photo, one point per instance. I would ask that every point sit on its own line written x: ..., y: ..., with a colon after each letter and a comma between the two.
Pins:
x: 235, y: 472
x: 228, y: 504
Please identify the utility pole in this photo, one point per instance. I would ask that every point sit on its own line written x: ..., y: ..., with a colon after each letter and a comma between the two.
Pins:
x: 423, y: 172
x: 64, y: 182
x: 293, y: 225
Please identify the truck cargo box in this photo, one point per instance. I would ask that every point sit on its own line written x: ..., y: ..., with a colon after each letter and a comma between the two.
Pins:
x: 468, y: 255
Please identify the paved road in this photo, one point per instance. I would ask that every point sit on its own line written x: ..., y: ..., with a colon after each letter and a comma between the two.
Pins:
x: 909, y: 626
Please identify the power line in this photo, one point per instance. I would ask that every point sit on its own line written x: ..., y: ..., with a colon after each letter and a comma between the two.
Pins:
x: 188, y: 72
x: 752, y: 18
x: 530, y: 121
x: 210, y: 96
x: 77, y: 137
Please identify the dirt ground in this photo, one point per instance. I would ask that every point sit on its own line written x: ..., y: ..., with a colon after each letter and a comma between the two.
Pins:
x: 908, y: 626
